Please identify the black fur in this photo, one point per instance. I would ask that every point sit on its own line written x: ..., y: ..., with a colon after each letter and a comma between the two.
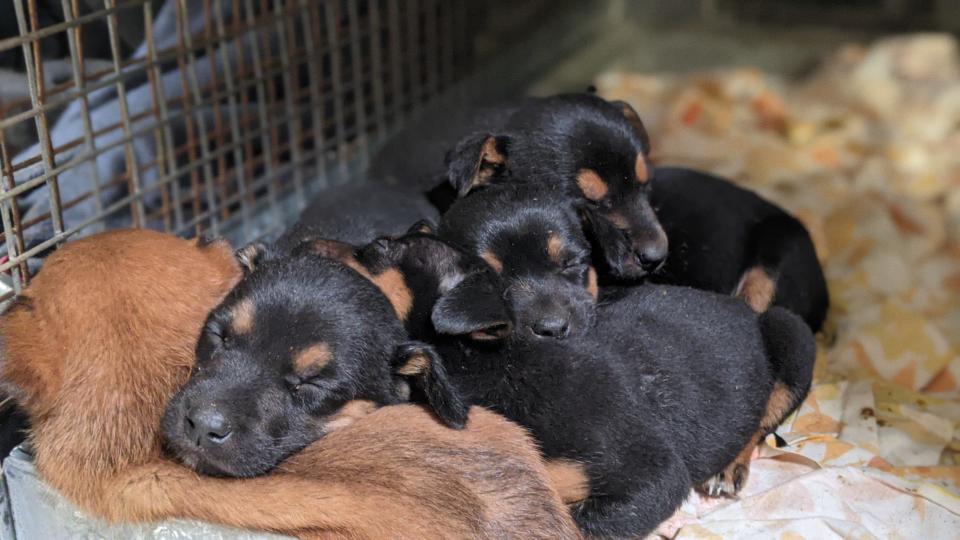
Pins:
x: 546, y: 296
x: 651, y: 401
x: 718, y: 231
x: 246, y: 407
x: 442, y: 278
x: 414, y: 158
x: 13, y: 427
x: 547, y: 142
x: 358, y: 213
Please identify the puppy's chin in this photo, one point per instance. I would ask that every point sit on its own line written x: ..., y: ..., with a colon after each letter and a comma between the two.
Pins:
x: 225, y: 467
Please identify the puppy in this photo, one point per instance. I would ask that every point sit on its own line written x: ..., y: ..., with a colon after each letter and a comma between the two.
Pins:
x: 594, y: 151
x: 415, y: 157
x: 357, y: 214
x: 104, y: 336
x: 532, y: 237
x: 648, y: 404
x: 302, y: 346
x: 729, y: 240
x: 423, y: 263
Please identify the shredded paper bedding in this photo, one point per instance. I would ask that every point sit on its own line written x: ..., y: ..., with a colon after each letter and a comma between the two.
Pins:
x: 866, y: 152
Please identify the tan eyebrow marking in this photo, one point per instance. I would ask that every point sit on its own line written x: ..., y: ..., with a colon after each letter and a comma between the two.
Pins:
x: 643, y: 175
x: 241, y: 316
x: 313, y: 357
x: 592, y: 186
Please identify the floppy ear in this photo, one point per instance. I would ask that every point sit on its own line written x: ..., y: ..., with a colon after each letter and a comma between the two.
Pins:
x: 252, y: 255
x: 631, y: 114
x: 424, y: 226
x: 477, y: 161
x: 422, y: 364
x: 473, y: 307
x: 611, y: 243
x: 328, y: 249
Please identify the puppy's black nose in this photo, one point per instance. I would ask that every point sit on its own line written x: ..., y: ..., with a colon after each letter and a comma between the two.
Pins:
x: 651, y: 255
x: 551, y: 327
x: 207, y: 427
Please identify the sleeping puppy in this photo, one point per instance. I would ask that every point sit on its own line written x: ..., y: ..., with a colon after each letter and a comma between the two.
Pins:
x: 415, y: 157
x: 105, y: 334
x: 423, y: 263
x: 664, y: 392
x: 593, y: 151
x: 729, y: 240
x: 357, y: 214
x: 532, y: 237
x: 301, y: 347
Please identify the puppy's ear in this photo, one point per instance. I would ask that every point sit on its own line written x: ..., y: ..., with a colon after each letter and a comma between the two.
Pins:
x: 609, y: 242
x: 252, y: 255
x: 631, y: 115
x: 472, y: 308
x: 424, y: 226
x: 328, y: 249
x: 422, y: 365
x: 477, y: 161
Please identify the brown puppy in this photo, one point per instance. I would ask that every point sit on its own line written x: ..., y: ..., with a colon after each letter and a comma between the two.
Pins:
x: 105, y: 334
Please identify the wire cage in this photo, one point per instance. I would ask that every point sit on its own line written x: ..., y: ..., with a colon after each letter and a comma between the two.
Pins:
x: 216, y: 117
x: 223, y: 118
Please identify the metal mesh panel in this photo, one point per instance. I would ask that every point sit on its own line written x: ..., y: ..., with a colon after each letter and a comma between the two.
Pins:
x: 204, y: 116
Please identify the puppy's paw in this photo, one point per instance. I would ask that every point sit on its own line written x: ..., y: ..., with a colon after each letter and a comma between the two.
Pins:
x: 728, y: 482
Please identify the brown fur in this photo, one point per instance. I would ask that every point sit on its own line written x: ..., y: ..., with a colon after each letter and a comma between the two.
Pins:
x: 312, y: 359
x: 242, y: 317
x: 618, y: 220
x: 592, y: 286
x: 349, y: 413
x: 417, y: 363
x: 734, y: 476
x: 570, y: 480
x: 640, y: 168
x: 757, y: 289
x: 592, y: 186
x: 394, y: 287
x: 555, y: 248
x: 108, y: 335
x: 490, y: 158
x: 390, y: 282
x: 493, y: 261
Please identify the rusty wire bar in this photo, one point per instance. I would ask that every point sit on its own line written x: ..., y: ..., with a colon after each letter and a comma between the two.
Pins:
x: 133, y: 168
x: 294, y: 128
x: 31, y: 52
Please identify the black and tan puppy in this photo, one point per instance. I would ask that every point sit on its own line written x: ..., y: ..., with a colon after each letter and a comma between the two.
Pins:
x: 728, y: 239
x: 302, y: 346
x: 591, y: 150
x: 532, y: 237
x: 357, y: 214
x: 648, y: 404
